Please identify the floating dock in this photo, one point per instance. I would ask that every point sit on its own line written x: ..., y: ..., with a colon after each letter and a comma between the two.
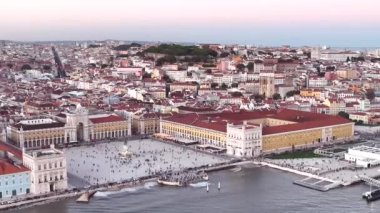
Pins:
x: 317, y: 184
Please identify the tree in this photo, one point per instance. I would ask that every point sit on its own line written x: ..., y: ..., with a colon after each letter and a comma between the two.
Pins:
x: 236, y: 94
x: 214, y: 85
x: 140, y: 54
x: 344, y: 114
x: 167, y: 79
x: 292, y: 93
x: 370, y: 94
x: 46, y: 67
x: 147, y: 75
x: 257, y: 97
x: 330, y: 68
x: 224, y: 54
x: 208, y: 71
x: 208, y: 65
x: 26, y: 67
x: 250, y: 66
x: 224, y: 86
x: 240, y: 67
x: 93, y: 46
x: 308, y: 54
x: 166, y: 59
x: 235, y: 85
x: 348, y: 59
x: 276, y: 96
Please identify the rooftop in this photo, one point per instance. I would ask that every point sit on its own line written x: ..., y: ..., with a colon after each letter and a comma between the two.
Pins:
x: 8, y: 168
x: 218, y: 121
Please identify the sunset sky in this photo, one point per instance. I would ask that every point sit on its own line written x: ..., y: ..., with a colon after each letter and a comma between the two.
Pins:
x: 262, y: 22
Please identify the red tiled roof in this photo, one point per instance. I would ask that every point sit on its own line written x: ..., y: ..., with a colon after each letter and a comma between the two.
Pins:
x: 218, y: 121
x: 6, y: 147
x: 304, y: 125
x: 28, y: 127
x: 8, y: 168
x: 110, y: 118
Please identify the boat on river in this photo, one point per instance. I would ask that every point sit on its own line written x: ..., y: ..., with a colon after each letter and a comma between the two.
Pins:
x: 183, y: 179
x: 168, y: 183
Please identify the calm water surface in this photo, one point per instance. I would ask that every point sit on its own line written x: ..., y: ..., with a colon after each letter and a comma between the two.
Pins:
x: 250, y: 190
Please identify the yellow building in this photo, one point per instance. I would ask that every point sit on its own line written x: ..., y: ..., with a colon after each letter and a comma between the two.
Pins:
x: 282, y: 130
x: 347, y: 74
x: 360, y: 116
x: 316, y: 93
x: 304, y: 138
x: 146, y: 123
x: 37, y: 133
x: 67, y: 128
x: 157, y: 93
x: 180, y: 86
x: 198, y: 130
x: 38, y: 107
x: 106, y: 127
x: 335, y: 105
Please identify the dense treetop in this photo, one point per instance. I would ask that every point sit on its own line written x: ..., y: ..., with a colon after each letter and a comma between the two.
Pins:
x: 126, y: 46
x: 179, y: 50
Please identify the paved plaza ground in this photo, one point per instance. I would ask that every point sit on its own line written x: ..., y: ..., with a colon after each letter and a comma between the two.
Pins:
x: 102, y: 163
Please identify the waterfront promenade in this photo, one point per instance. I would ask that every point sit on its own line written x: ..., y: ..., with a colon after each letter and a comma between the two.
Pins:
x: 332, y: 172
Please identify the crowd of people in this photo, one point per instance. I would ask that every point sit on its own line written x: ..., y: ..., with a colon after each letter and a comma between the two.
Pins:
x: 118, y: 161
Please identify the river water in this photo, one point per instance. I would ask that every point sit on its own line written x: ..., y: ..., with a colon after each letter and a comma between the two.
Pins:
x: 256, y: 189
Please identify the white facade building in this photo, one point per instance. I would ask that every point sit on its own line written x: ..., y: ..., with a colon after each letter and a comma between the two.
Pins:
x: 364, y: 105
x: 364, y: 156
x: 317, y: 82
x: 177, y: 75
x: 48, y: 170
x: 244, y: 140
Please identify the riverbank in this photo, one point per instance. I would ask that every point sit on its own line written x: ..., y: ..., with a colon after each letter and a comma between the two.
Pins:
x: 261, y: 163
x: 265, y: 189
x: 48, y: 198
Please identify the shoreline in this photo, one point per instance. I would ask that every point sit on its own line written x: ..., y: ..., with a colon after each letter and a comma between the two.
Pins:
x: 141, y: 181
x: 305, y: 174
x: 45, y: 199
